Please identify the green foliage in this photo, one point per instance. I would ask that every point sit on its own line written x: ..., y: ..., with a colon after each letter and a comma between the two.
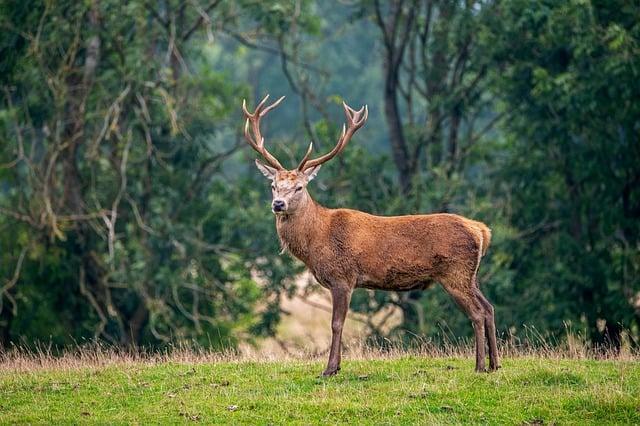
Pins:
x: 569, y: 74
x: 521, y: 114
x: 113, y: 180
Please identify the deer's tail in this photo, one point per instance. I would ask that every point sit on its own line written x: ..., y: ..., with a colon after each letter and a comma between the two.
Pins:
x: 486, y: 238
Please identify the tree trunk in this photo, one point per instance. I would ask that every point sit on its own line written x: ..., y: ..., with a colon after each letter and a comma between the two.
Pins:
x: 412, y: 313
x: 613, y: 336
x: 136, y: 323
x: 396, y: 134
x: 6, y: 316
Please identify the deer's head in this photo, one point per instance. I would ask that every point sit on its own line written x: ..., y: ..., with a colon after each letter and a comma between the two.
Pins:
x: 289, y: 186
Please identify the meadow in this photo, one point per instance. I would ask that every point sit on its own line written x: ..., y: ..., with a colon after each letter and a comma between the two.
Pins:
x: 374, y: 388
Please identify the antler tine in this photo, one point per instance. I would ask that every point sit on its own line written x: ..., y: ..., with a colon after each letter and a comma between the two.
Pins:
x: 306, y: 157
x: 365, y: 117
x: 246, y: 131
x: 261, y: 104
x: 355, y: 120
x: 270, y: 107
x: 351, y: 113
x: 257, y: 141
x: 356, y: 116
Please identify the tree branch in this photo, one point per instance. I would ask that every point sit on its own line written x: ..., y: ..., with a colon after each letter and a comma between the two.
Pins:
x: 203, y: 18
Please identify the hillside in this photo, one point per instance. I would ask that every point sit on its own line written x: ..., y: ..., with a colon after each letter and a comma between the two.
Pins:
x: 408, y: 390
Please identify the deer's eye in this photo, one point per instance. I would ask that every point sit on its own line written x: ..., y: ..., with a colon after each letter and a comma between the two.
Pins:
x: 273, y: 186
x: 298, y: 188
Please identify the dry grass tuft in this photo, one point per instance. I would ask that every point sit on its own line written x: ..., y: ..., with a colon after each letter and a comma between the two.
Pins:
x: 98, y: 355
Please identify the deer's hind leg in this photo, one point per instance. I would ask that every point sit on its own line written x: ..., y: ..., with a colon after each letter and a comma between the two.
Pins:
x: 470, y: 304
x: 490, y: 330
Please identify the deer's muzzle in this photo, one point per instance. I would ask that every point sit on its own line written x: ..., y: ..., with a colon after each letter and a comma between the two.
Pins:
x: 278, y: 206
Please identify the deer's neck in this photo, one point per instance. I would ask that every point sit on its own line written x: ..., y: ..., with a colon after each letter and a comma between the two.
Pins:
x: 298, y: 231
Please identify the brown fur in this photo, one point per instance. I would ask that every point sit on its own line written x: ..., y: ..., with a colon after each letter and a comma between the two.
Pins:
x: 384, y: 253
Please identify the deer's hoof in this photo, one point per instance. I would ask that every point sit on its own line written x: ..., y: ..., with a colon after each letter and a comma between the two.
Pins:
x: 481, y: 370
x: 330, y: 372
x: 494, y: 368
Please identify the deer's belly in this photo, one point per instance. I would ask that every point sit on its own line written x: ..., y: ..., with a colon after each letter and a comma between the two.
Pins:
x: 412, y: 272
x: 396, y: 281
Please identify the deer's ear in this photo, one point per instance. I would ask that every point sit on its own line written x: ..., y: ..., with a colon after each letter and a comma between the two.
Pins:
x: 268, y: 172
x: 312, y: 172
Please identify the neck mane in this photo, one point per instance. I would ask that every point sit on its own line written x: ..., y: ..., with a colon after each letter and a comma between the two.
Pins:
x: 298, y: 229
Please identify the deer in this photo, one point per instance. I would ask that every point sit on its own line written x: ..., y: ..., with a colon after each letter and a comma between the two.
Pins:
x: 347, y: 249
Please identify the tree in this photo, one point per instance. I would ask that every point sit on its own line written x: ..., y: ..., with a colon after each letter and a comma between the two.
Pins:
x: 569, y: 73
x: 112, y: 194
x: 437, y: 106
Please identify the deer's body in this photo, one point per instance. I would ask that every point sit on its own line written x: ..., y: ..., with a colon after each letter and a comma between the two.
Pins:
x: 396, y: 253
x: 345, y: 249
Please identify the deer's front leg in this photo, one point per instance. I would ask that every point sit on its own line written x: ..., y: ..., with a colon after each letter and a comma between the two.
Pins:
x: 341, y: 296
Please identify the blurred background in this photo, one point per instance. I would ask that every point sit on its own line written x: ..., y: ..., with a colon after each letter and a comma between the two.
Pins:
x: 131, y: 211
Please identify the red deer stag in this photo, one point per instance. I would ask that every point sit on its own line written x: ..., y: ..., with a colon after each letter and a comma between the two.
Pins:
x: 346, y: 249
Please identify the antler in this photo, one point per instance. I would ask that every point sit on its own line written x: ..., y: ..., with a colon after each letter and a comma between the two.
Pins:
x: 355, y: 120
x: 257, y: 142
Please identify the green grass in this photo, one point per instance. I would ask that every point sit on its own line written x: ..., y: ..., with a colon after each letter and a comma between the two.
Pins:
x: 408, y: 390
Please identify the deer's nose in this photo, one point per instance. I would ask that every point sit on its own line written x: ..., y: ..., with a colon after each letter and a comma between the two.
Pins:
x: 279, y: 205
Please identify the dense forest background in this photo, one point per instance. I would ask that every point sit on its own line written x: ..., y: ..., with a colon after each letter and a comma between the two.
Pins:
x: 131, y: 211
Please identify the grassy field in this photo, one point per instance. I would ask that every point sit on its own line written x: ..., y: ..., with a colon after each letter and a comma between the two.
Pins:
x: 404, y: 390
